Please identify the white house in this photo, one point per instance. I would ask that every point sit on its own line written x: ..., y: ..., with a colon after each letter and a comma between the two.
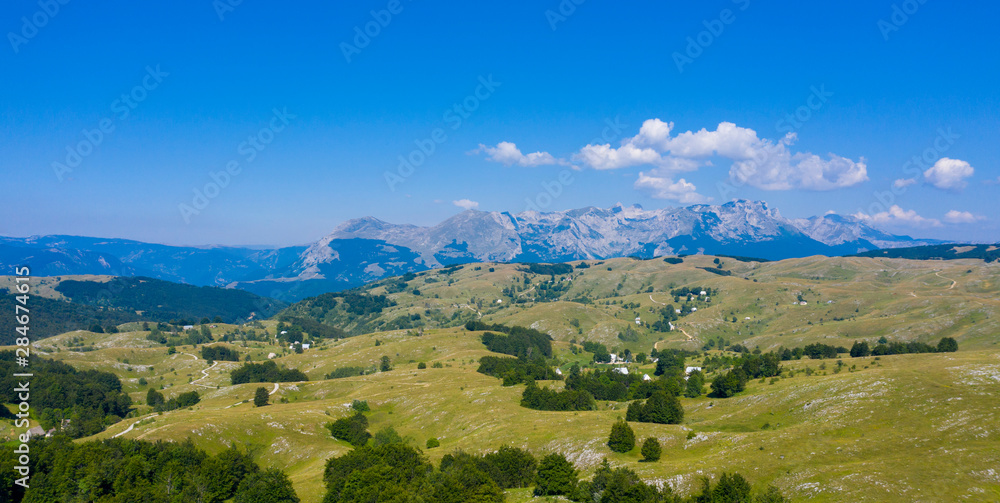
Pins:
x: 678, y: 311
x: 804, y: 303
x: 703, y: 293
x: 187, y: 327
x: 499, y: 301
x: 693, y: 309
x: 558, y: 372
x: 638, y: 320
x: 614, y: 358
x: 645, y: 377
x: 271, y: 356
x: 688, y: 370
x: 306, y: 345
x: 747, y: 318
x: 37, y: 431
x: 622, y: 370
x: 283, y: 332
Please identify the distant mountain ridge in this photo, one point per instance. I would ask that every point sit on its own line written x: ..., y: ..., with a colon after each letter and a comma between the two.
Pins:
x: 366, y: 249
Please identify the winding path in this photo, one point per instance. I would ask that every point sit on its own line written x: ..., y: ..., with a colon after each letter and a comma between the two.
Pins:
x: 204, y: 374
x: 651, y: 298
x: 953, y: 282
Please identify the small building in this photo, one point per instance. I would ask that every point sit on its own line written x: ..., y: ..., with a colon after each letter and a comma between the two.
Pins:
x: 283, y: 332
x: 36, y: 432
x: 688, y: 370
x: 747, y: 318
x: 187, y: 327
x: 804, y: 303
x: 306, y: 345
x: 622, y: 370
x: 693, y: 309
x: 703, y: 293
x: 678, y: 311
x: 558, y: 372
x: 499, y: 301
x: 671, y: 325
x: 645, y: 377
x: 271, y: 356
x: 614, y: 358
x: 638, y: 320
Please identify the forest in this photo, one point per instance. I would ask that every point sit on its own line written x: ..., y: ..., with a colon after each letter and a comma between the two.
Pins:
x: 79, y: 403
x: 130, y: 471
x: 163, y: 300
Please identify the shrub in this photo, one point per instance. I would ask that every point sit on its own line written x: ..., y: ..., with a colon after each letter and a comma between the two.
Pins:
x: 622, y: 438
x: 651, y: 450
x: 432, y: 443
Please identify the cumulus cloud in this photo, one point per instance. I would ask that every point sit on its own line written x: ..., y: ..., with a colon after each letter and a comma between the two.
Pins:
x: 961, y: 217
x: 508, y: 154
x: 949, y: 174
x: 466, y: 204
x: 664, y: 187
x: 897, y: 216
x: 759, y: 162
x: 904, y: 182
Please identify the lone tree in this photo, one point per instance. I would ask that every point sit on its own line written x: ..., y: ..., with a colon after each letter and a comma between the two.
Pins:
x: 386, y: 365
x: 651, y: 450
x: 622, y: 437
x: 260, y: 397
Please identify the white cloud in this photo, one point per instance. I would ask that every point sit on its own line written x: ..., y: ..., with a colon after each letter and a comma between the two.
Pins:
x: 904, y: 182
x: 508, y: 154
x: 758, y: 162
x: 466, y: 204
x: 961, y: 217
x: 663, y: 187
x: 899, y: 216
x: 949, y: 174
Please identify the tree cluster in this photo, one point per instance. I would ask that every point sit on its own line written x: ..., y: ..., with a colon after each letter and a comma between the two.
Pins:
x: 155, y: 400
x: 219, y: 354
x: 516, y: 341
x: 660, y: 408
x: 516, y: 370
x: 548, y: 399
x: 265, y: 372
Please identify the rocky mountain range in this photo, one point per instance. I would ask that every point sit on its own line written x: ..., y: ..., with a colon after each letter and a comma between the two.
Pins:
x: 366, y: 249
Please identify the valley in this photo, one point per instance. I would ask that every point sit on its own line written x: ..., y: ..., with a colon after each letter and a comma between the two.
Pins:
x: 867, y: 429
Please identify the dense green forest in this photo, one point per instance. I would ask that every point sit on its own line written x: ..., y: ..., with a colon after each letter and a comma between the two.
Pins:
x: 165, y: 301
x: 988, y: 253
x: 131, y: 471
x: 59, y: 317
x: 78, y: 402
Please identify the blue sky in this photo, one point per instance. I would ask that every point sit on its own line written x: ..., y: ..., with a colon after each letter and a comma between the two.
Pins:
x: 481, y: 87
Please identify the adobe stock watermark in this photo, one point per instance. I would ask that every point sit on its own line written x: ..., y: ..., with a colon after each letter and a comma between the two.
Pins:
x: 30, y: 26
x: 248, y: 150
x: 224, y: 7
x: 714, y: 29
x: 553, y: 189
x: 121, y: 109
x: 900, y: 15
x: 363, y: 35
x: 562, y: 12
x: 453, y: 117
x: 913, y: 168
x: 790, y: 123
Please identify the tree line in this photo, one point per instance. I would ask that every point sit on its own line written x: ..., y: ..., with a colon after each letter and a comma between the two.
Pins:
x: 219, y: 354
x: 517, y: 370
